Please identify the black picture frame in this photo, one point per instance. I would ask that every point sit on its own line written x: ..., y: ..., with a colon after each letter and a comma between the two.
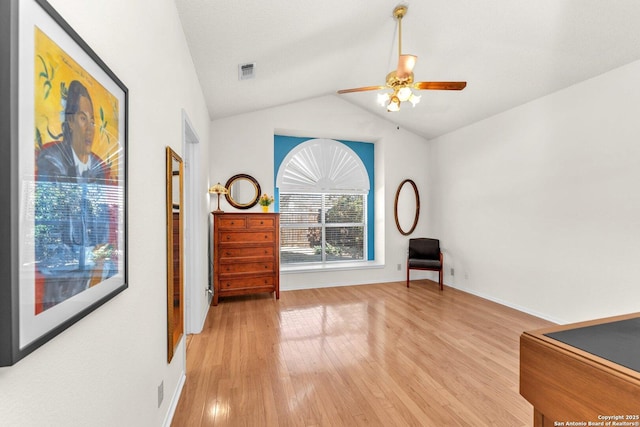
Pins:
x: 41, y: 56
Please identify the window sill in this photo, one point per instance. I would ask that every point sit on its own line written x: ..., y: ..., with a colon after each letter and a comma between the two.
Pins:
x: 316, y: 268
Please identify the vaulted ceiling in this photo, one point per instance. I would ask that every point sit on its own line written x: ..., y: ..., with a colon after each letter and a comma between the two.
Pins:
x: 508, y: 51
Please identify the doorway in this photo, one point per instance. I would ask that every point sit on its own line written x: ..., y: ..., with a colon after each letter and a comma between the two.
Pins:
x: 196, y: 285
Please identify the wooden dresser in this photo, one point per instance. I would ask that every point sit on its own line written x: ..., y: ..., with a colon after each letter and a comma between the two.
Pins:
x: 246, y: 254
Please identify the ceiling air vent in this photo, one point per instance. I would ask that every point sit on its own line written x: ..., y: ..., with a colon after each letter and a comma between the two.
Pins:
x: 246, y: 71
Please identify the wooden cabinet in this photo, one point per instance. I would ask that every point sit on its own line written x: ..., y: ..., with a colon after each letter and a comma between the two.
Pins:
x: 246, y: 254
x: 564, y: 382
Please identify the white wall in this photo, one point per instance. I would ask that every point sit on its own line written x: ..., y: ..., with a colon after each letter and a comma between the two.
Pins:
x: 244, y: 144
x: 105, y: 370
x: 539, y: 207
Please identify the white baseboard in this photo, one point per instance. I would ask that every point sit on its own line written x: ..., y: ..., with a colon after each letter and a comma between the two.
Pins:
x: 511, y: 305
x: 174, y: 401
x: 203, y: 319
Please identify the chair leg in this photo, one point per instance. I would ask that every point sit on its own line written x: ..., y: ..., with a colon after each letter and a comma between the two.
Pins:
x: 407, y: 274
x: 441, y: 270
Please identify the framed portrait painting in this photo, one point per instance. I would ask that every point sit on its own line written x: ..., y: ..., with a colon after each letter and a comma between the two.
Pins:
x: 63, y: 178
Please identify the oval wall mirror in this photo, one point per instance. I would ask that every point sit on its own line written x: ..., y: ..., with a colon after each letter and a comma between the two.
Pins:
x: 244, y: 191
x: 406, y: 207
x: 175, y: 221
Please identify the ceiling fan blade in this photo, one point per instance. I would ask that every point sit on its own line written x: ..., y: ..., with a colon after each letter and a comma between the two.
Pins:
x: 405, y: 65
x: 361, y: 89
x: 440, y: 85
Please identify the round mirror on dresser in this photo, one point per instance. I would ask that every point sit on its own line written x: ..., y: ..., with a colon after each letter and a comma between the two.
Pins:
x: 243, y: 191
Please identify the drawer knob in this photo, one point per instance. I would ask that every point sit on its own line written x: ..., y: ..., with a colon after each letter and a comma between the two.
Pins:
x: 228, y: 253
x: 261, y: 222
x: 228, y: 237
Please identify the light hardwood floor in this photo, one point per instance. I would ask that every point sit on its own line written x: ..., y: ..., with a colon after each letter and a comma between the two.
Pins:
x: 370, y: 355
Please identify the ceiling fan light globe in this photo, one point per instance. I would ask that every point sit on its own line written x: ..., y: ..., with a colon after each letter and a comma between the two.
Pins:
x: 414, y: 99
x: 405, y: 94
x: 394, y: 105
x: 383, y: 99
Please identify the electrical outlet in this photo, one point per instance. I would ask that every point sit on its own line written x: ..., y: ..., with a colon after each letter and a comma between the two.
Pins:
x: 399, y: 267
x: 452, y: 271
x: 160, y: 393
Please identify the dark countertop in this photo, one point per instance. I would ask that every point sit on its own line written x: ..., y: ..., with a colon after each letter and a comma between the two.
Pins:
x: 618, y: 342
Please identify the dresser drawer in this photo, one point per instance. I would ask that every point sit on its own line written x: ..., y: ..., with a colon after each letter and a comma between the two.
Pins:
x: 246, y: 283
x: 261, y: 222
x: 247, y: 237
x: 232, y: 223
x: 266, y: 251
x: 247, y: 267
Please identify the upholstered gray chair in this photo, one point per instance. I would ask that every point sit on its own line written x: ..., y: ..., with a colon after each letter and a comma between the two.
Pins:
x: 424, y: 254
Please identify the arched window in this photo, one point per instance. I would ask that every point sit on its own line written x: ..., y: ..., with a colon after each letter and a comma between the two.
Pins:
x: 323, y: 186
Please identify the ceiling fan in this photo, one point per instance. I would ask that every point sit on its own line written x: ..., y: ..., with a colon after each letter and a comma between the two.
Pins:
x: 400, y: 81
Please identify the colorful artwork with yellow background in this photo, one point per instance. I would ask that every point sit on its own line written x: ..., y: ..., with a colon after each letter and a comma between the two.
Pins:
x: 77, y: 202
x: 54, y: 71
x: 66, y: 141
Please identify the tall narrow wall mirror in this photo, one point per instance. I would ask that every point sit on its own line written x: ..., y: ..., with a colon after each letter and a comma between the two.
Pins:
x: 175, y: 287
x: 406, y: 207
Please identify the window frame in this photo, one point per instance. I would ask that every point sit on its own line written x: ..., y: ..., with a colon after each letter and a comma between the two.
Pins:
x: 323, y: 225
x: 285, y: 145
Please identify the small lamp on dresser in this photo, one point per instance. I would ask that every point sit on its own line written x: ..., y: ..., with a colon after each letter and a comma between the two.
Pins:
x: 218, y: 189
